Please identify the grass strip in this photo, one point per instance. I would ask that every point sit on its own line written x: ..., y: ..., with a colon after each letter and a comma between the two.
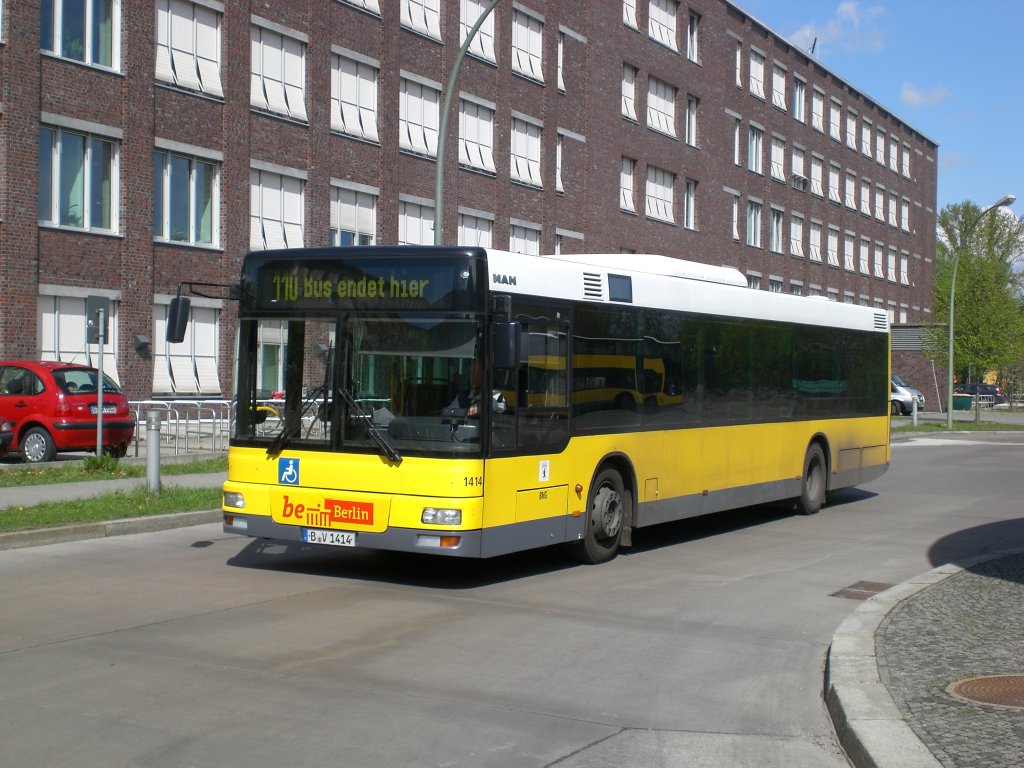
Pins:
x: 928, y: 427
x: 79, y: 472
x: 113, y: 506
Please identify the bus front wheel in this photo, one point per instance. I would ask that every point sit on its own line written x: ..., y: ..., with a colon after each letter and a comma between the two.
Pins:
x: 607, y: 513
x: 813, y: 486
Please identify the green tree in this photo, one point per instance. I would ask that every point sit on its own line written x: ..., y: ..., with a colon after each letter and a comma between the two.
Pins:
x: 989, y: 305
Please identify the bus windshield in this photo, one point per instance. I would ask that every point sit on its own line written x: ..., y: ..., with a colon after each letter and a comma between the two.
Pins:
x: 395, y: 384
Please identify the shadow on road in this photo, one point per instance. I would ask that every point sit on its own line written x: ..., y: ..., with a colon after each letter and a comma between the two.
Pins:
x: 959, y: 547
x: 433, y: 572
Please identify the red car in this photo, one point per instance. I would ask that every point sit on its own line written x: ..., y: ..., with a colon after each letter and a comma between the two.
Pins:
x: 53, y: 408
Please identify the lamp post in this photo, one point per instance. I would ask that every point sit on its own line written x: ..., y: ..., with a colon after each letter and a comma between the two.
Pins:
x: 1004, y: 200
x: 442, y: 132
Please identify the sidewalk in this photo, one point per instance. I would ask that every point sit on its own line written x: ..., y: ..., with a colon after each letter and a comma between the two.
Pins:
x: 893, y: 661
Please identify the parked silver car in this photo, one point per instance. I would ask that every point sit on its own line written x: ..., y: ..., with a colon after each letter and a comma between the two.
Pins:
x: 902, y: 397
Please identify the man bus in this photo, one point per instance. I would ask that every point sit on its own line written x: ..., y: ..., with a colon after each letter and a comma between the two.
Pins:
x: 771, y: 397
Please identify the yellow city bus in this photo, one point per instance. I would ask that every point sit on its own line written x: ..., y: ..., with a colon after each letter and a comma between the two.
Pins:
x: 436, y: 399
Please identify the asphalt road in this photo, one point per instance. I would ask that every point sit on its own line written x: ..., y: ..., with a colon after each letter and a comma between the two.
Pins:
x: 703, y: 646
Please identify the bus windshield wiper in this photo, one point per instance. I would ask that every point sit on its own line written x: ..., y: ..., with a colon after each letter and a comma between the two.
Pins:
x: 292, y: 425
x: 371, y: 429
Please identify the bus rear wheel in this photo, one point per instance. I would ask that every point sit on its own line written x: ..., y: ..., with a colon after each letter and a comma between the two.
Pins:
x: 608, y: 511
x: 814, y: 484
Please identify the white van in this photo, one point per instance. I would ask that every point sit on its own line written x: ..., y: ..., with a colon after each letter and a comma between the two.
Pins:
x: 902, y: 397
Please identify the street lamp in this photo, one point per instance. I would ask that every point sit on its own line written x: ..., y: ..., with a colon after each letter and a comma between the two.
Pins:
x: 965, y: 235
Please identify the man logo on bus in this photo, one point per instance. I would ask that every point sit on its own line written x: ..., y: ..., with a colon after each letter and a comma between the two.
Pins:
x: 288, y: 471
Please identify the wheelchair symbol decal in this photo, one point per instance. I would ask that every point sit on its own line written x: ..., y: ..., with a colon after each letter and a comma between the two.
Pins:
x: 288, y: 471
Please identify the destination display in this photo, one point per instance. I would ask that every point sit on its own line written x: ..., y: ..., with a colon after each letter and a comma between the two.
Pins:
x: 386, y: 283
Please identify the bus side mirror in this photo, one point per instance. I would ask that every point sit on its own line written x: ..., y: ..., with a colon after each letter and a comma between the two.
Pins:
x: 177, y: 319
x: 507, y: 345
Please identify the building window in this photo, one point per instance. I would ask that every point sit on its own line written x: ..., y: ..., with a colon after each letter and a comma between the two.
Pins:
x: 753, y: 224
x: 796, y: 236
x: 893, y: 204
x: 62, y: 322
x: 891, y: 265
x: 880, y: 146
x: 373, y: 6
x: 82, y: 30
x: 418, y: 115
x: 629, y: 14
x: 188, y: 368
x: 814, y: 235
x: 904, y: 265
x: 661, y: 22
x: 626, y: 185
x: 833, y: 247
x: 778, y: 158
x: 524, y: 239
x: 558, y: 164
x: 526, y: 152
x: 278, y: 73
x: 775, y: 236
x: 185, y: 199
x: 475, y: 230
x: 848, y: 246
x: 851, y: 130
x: 476, y: 136
x: 851, y: 191
x: 865, y: 197
x: 735, y: 212
x: 775, y: 284
x: 879, y: 204
x: 799, y: 99
x: 739, y: 64
x: 527, y: 41
x: 188, y: 46
x: 737, y: 132
x: 276, y: 211
x: 354, y: 97
x: 561, y: 62
x: 755, y: 143
x: 629, y: 92
x: 816, y: 173
x: 690, y: 205
x: 483, y: 43
x: 353, y: 217
x: 659, y: 202
x: 799, y: 173
x: 865, y: 138
x: 817, y: 110
x: 423, y: 16
x: 834, y: 124
x: 78, y: 184
x: 905, y: 215
x: 692, y: 102
x: 894, y: 154
x: 692, y: 28
x: 661, y: 107
x: 415, y: 223
x: 906, y: 161
x: 865, y: 268
x: 779, y: 87
x: 833, y: 183
x: 757, y: 74
x: 878, y: 269
x: 753, y: 281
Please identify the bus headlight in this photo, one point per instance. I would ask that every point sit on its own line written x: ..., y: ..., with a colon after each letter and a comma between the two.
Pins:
x: 234, y: 500
x: 441, y: 516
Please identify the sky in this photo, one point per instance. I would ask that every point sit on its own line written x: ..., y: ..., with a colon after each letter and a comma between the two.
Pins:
x: 948, y: 69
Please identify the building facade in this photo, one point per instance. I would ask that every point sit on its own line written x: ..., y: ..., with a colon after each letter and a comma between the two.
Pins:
x: 147, y: 143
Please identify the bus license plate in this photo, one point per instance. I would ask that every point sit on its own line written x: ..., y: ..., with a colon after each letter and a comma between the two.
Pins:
x: 334, y: 538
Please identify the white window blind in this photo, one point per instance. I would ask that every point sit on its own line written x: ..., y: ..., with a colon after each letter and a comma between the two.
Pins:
x: 354, y: 98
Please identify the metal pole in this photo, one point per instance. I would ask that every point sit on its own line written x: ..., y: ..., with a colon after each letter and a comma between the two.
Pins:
x: 153, y: 419
x: 99, y: 384
x: 442, y: 131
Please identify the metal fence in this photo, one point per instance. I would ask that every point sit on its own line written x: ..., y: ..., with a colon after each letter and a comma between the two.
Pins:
x: 188, y: 426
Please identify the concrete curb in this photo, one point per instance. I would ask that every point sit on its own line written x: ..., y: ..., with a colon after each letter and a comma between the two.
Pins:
x: 39, y: 536
x: 871, y: 729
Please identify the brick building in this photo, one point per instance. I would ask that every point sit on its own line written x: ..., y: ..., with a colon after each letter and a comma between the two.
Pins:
x: 145, y: 143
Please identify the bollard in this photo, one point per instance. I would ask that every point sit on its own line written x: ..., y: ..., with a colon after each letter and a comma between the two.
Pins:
x: 913, y: 412
x: 153, y: 419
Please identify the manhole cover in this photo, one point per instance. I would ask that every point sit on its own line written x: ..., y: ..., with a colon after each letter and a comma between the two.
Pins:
x: 998, y: 690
